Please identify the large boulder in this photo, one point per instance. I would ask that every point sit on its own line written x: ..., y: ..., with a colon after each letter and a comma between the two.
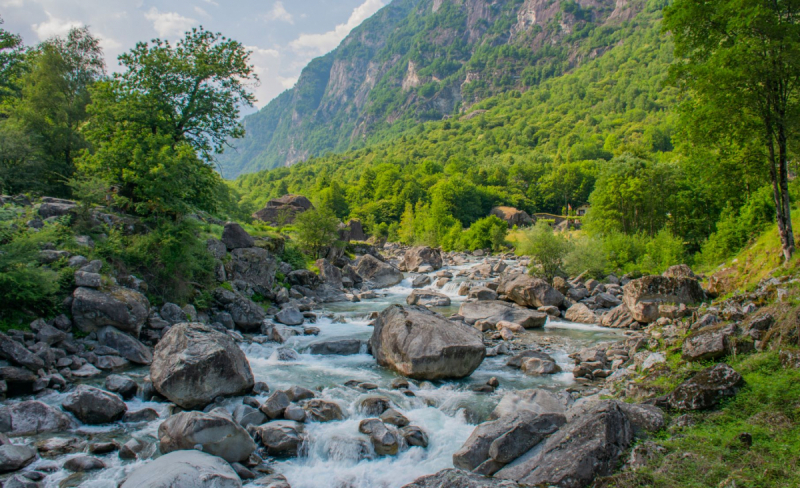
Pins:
x: 94, y: 406
x: 336, y: 347
x: 235, y: 237
x: 422, y: 256
x: 513, y: 216
x: 32, y: 417
x: 15, y: 457
x: 280, y: 437
x: 494, y: 311
x: 254, y: 266
x: 381, y: 275
x: 356, y: 231
x: 194, y: 364
x: 588, y: 446
x: 505, y: 439
x: 422, y: 344
x: 127, y: 346
x: 56, y: 207
x: 456, y: 478
x: 581, y: 314
x: 15, y: 352
x: 120, y: 307
x: 530, y: 292
x: 329, y: 273
x: 705, y: 389
x: 188, y: 468
x: 217, y: 434
x: 283, y: 210
x: 643, y: 296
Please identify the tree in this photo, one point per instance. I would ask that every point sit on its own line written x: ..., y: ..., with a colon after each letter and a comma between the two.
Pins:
x: 317, y: 229
x: 740, y: 64
x: 156, y: 125
x: 12, y: 56
x: 546, y: 249
x: 51, y: 107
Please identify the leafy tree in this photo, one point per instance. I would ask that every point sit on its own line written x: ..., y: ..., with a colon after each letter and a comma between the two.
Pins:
x: 546, y: 249
x: 741, y: 65
x: 156, y: 125
x: 12, y: 57
x: 486, y: 233
x: 317, y: 229
x: 51, y: 107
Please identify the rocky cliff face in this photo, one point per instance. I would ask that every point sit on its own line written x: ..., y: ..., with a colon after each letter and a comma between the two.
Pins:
x: 418, y: 60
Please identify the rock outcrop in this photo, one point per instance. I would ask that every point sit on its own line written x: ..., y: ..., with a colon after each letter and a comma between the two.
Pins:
x: 283, y: 210
x: 422, y: 344
x: 193, y: 364
x: 705, y: 389
x: 513, y: 216
x: 642, y: 297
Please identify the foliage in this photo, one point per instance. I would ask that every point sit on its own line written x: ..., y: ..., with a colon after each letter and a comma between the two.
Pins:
x: 739, y: 60
x: 586, y: 255
x: 487, y: 233
x: 546, y: 249
x: 317, y: 229
x: 150, y: 122
x: 11, y: 62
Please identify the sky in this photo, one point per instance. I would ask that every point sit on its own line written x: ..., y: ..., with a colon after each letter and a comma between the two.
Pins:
x: 284, y: 35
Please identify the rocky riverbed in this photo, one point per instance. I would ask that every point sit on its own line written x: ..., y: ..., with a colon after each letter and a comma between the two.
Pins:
x: 455, y: 360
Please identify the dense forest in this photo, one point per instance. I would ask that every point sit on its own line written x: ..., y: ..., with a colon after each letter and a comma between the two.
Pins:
x: 609, y: 133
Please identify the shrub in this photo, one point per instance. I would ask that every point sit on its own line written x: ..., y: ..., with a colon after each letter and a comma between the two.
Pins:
x: 487, y: 233
x: 586, y: 255
x: 546, y: 249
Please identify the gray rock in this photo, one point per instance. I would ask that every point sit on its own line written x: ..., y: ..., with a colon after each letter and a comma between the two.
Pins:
x: 329, y: 273
x: 581, y: 314
x: 281, y: 437
x: 298, y: 393
x: 235, y: 237
x: 538, y: 401
x: 619, y: 318
x: 15, y: 457
x: 194, y: 364
x: 492, y: 312
x: 94, y: 406
x: 588, y: 446
x: 427, y: 298
x: 414, y: 436
x: 290, y: 316
x: 709, y: 343
x: 127, y: 346
x: 48, y: 334
x: 507, y: 438
x: 143, y: 415
x: 381, y: 275
x: 17, y: 353
x: 530, y: 292
x: 32, y: 417
x: 80, y: 464
x: 123, y: 385
x: 705, y: 389
x: 217, y: 434
x: 173, y: 313
x: 295, y: 412
x: 338, y: 347
x: 184, y: 468
x: 422, y: 344
x: 643, y: 296
x: 482, y: 293
x: 456, y: 478
x: 245, y: 313
x: 122, y: 308
x: 422, y: 256
x: 385, y: 440
x: 421, y: 280
x: 254, y: 266
x: 319, y: 410
x: 274, y: 406
x: 89, y: 280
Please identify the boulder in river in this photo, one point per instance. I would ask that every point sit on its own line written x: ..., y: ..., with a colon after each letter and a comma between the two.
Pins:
x: 428, y: 298
x: 531, y: 292
x: 336, y: 347
x: 494, y: 311
x: 588, y: 446
x: 643, y: 296
x: 217, y: 434
x: 422, y: 344
x: 32, y: 417
x: 194, y: 364
x: 94, y: 406
x: 184, y: 468
x: 15, y: 457
x: 380, y: 274
x: 280, y: 437
x: 581, y: 314
x: 419, y: 256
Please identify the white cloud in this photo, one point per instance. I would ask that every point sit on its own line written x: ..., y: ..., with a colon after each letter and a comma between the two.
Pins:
x: 54, y: 26
x: 212, y: 2
x: 108, y: 43
x: 11, y: 3
x: 202, y: 12
x: 279, y: 12
x: 288, y: 82
x: 169, y: 23
x: 322, y: 43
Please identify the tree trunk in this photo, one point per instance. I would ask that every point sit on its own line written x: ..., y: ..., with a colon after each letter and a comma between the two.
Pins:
x: 780, y: 191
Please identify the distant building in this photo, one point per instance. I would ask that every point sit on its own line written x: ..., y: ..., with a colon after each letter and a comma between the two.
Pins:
x: 581, y: 211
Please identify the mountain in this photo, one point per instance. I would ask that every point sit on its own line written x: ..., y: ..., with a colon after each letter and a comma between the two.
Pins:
x: 422, y: 60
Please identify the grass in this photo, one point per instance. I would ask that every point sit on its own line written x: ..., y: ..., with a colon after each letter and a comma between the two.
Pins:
x: 711, y: 452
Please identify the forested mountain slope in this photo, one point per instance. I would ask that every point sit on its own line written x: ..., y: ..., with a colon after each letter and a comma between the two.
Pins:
x: 424, y: 60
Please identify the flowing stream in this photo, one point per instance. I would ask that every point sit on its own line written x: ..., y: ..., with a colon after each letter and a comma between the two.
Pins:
x: 334, y: 454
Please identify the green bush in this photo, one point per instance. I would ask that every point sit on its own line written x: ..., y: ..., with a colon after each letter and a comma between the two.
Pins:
x: 586, y: 255
x: 487, y: 233
x: 547, y: 250
x: 293, y: 256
